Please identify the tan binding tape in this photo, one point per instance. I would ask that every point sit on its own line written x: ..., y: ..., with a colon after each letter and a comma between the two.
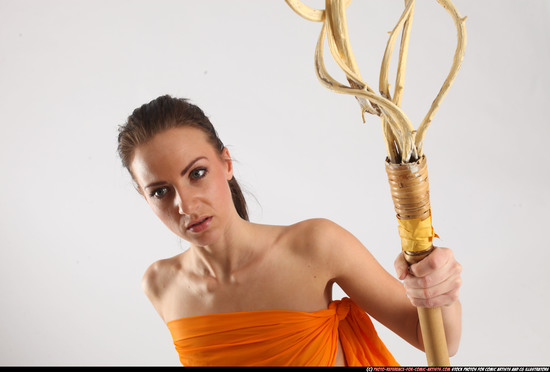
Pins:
x: 411, y: 199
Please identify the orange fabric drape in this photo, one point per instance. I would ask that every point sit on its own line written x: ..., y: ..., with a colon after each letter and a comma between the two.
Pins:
x: 280, y: 338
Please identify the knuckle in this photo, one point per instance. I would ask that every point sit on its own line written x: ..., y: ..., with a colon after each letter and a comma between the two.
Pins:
x: 434, y: 263
x: 427, y: 293
x: 457, y: 282
x: 445, y: 255
x: 426, y: 281
x: 438, y: 261
x: 455, y: 295
x: 429, y: 302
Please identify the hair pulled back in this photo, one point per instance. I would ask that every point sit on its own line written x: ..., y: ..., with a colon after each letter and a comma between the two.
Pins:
x: 161, y: 114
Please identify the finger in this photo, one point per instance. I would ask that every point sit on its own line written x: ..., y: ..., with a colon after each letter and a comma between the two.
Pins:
x: 435, y: 260
x: 446, y: 299
x: 450, y: 269
x: 448, y: 290
x: 401, y: 266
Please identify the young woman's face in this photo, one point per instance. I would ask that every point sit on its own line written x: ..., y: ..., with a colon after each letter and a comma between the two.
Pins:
x: 184, y: 180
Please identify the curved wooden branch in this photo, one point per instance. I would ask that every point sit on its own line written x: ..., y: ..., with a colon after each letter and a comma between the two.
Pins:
x: 403, y: 143
x: 305, y: 11
x: 403, y: 52
x: 457, y: 61
x: 406, y: 18
x: 399, y: 122
x: 309, y: 13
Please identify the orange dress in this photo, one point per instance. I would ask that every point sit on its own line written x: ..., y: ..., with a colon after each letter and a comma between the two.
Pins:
x: 280, y: 338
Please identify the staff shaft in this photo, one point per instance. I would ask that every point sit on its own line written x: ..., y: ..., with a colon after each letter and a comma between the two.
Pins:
x: 409, y: 186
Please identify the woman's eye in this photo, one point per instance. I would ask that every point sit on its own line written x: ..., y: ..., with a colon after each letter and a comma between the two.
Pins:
x: 198, y: 173
x: 159, y: 193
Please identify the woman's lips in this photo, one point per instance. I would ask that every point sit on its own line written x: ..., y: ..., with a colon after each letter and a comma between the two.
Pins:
x: 201, y: 225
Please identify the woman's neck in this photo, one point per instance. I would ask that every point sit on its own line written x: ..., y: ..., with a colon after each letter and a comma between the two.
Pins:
x: 236, y: 248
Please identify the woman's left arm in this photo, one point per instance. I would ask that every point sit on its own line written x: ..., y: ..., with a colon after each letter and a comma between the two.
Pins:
x: 435, y: 282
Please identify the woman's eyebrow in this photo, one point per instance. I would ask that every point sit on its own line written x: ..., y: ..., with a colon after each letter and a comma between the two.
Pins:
x: 155, y: 184
x: 182, y: 172
x: 191, y: 164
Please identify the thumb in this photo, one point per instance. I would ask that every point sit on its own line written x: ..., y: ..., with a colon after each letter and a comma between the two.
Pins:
x: 401, y: 266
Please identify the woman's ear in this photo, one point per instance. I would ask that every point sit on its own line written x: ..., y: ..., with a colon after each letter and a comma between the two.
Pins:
x: 228, y: 163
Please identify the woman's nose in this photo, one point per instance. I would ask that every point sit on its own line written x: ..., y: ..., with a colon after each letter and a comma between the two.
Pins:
x: 186, y: 203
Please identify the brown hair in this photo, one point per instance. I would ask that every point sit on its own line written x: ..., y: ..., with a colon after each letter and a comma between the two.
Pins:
x: 165, y: 113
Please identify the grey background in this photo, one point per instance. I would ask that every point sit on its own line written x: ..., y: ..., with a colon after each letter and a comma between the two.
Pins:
x: 75, y: 238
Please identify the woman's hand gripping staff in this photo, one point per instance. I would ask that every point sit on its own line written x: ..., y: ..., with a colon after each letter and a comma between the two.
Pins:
x: 433, y: 283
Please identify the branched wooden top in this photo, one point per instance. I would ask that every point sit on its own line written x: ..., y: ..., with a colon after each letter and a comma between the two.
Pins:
x: 403, y: 142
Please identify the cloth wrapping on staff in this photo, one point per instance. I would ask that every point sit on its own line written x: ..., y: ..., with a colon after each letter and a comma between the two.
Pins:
x: 416, y: 234
x: 280, y: 338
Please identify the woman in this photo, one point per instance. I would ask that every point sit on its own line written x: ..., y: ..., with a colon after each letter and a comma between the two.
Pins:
x: 245, y: 293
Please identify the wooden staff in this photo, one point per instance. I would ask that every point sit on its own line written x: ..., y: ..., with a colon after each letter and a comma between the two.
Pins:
x: 411, y: 199
x: 405, y: 162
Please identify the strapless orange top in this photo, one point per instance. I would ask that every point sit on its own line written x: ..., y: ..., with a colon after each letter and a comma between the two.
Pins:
x: 280, y: 338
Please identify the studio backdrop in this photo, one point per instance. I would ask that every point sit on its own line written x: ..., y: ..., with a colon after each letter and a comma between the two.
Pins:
x: 75, y: 237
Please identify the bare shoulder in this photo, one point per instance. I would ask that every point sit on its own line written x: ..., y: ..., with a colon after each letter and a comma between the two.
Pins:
x: 318, y: 237
x: 158, y: 275
x: 333, y: 246
x: 318, y: 232
x: 314, y: 226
